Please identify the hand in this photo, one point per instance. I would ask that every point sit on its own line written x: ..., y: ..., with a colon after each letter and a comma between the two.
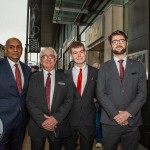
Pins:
x: 95, y: 100
x: 124, y: 123
x: 50, y: 123
x: 122, y: 117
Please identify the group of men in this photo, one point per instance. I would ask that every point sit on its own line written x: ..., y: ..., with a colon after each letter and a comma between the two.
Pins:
x: 61, y: 104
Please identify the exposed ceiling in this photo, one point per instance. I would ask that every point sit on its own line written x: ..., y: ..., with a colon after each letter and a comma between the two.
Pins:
x: 56, y: 12
x: 48, y: 28
x: 68, y: 11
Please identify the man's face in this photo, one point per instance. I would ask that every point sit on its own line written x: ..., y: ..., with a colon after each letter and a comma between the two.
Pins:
x: 13, y: 50
x: 48, y: 60
x: 78, y: 55
x: 119, y: 44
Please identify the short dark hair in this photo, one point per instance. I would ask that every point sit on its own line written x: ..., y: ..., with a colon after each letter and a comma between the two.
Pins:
x: 35, y: 67
x: 76, y: 44
x: 117, y: 32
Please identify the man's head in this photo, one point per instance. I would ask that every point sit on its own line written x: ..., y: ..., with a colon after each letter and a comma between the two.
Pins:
x: 96, y: 65
x: 118, y: 42
x: 13, y: 49
x: 78, y: 53
x: 48, y: 58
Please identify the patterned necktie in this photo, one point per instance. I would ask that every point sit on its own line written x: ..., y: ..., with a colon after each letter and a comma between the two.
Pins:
x: 121, y: 68
x: 47, y: 90
x: 79, y: 82
x: 18, y: 79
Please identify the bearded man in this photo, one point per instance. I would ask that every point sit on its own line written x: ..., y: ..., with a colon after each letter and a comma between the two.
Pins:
x: 122, y: 91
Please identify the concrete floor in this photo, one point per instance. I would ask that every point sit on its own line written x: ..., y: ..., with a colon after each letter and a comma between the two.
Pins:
x: 26, y: 145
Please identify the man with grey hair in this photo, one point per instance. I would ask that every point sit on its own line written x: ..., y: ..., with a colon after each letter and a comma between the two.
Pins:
x: 49, y: 100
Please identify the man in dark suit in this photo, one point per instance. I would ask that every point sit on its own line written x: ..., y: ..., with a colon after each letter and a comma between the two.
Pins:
x: 49, y: 103
x: 122, y: 91
x: 82, y: 115
x: 13, y: 111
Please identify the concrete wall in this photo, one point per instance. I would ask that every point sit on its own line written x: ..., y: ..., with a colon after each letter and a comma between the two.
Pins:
x: 113, y: 21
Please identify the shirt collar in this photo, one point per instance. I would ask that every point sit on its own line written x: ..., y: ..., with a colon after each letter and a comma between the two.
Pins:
x: 12, y: 63
x: 83, y: 67
x: 116, y: 59
x: 46, y: 72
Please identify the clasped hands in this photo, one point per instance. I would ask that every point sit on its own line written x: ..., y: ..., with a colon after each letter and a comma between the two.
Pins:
x: 50, y: 123
x: 122, y: 118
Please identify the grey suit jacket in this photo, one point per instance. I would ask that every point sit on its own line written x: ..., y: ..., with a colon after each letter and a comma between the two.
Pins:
x: 37, y: 105
x: 129, y: 96
x: 83, y: 110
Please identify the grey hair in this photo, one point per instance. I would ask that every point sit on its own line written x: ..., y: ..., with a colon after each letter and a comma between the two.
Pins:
x: 50, y: 49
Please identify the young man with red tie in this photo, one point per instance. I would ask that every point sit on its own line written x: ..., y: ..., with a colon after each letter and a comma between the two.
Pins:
x: 82, y: 114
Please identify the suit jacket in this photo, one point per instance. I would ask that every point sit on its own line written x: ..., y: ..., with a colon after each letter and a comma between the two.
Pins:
x: 129, y: 96
x: 11, y: 103
x: 37, y: 105
x: 83, y: 111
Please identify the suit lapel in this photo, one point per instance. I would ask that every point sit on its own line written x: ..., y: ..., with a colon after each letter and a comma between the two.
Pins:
x: 70, y: 74
x: 42, y: 88
x: 114, y: 70
x: 55, y: 92
x: 89, y: 78
x: 25, y: 77
x: 9, y: 73
x: 54, y: 99
x: 40, y: 84
x: 128, y: 69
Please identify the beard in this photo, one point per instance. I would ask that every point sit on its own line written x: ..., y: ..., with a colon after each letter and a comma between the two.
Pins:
x: 119, y: 52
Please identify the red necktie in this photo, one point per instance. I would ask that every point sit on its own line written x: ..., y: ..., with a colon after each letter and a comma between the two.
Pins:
x: 79, y: 82
x: 18, y: 79
x: 47, y: 90
x: 121, y: 70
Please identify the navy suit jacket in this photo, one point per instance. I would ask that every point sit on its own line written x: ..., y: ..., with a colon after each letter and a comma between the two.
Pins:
x: 10, y: 101
x: 128, y: 96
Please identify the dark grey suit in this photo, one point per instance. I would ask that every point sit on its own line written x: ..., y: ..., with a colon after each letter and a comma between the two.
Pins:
x: 82, y: 115
x: 37, y: 106
x: 114, y: 96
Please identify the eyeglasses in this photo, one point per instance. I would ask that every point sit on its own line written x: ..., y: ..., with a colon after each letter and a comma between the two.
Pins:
x: 48, y: 57
x: 121, y: 41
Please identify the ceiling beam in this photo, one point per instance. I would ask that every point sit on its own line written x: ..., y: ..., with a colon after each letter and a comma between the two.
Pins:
x: 72, y: 10
x: 69, y: 22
